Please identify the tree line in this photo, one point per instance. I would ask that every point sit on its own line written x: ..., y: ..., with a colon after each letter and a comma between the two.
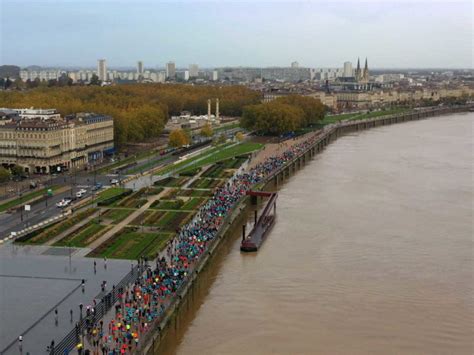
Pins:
x: 282, y: 115
x: 140, y: 111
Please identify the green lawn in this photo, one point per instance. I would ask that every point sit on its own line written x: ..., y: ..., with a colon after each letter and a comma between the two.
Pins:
x: 131, y: 243
x: 83, y: 236
x: 117, y: 215
x: 26, y: 197
x: 178, y: 166
x: 109, y: 193
x: 361, y: 116
x: 224, y: 154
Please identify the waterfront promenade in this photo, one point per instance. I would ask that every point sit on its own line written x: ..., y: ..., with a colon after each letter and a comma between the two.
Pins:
x: 195, y: 239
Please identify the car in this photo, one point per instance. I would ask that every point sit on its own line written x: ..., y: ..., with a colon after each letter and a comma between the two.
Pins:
x: 83, y: 191
x: 68, y: 199
x: 97, y: 186
x: 61, y: 204
x: 79, y: 194
x: 114, y: 182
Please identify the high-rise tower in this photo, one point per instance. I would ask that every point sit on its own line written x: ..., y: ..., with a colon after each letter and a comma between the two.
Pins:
x: 102, y: 69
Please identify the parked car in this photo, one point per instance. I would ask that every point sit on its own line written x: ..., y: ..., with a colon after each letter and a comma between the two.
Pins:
x: 114, y: 182
x: 83, y: 191
x: 97, y: 186
x: 79, y: 194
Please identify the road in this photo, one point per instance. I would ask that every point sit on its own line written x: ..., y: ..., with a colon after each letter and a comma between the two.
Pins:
x: 12, y: 222
x: 75, y: 181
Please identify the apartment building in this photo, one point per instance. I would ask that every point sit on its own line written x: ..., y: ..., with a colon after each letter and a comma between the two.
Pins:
x: 47, y: 145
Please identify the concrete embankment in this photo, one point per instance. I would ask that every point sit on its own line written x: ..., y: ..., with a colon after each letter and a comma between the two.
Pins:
x: 171, y: 321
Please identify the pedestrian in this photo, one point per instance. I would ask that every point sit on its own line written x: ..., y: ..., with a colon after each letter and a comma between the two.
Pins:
x: 56, y: 316
x: 83, y: 285
x: 95, y: 267
x: 70, y: 312
x: 105, y: 262
x: 20, y: 343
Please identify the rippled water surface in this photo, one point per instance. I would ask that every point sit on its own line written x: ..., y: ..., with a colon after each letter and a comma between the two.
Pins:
x: 372, y: 252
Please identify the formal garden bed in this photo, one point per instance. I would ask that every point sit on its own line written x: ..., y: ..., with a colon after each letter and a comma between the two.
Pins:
x: 206, y: 183
x: 170, y: 194
x: 218, y: 171
x: 194, y: 193
x: 172, y: 181
x: 148, y: 218
x: 112, y: 195
x: 132, y: 243
x: 83, y: 236
x: 134, y: 200
x: 44, y: 235
x: 168, y: 204
x: 117, y: 214
x: 172, y: 220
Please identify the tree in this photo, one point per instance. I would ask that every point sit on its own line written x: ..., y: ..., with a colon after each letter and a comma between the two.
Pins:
x: 95, y: 80
x: 239, y: 136
x: 222, y: 138
x: 5, y: 174
x: 206, y: 130
x: 17, y: 170
x: 313, y: 108
x: 272, y: 118
x: 178, y: 138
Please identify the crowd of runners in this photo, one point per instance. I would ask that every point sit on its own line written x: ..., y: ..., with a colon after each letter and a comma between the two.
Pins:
x: 142, y: 304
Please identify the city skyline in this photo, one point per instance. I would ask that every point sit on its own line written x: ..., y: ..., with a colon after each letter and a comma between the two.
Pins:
x: 315, y: 34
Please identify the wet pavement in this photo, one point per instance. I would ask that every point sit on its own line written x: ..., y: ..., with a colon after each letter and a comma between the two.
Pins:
x: 34, y: 281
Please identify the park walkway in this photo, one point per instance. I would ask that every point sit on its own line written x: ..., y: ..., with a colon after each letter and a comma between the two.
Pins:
x: 274, y: 149
x: 128, y: 219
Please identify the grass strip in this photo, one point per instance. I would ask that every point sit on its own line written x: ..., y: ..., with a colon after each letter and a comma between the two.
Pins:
x: 26, y: 197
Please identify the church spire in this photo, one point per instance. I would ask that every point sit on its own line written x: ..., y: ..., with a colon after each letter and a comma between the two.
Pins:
x: 365, y: 74
x: 358, y: 63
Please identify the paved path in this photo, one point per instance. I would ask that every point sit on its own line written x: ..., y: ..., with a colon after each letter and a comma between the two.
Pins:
x: 273, y: 149
x: 127, y: 220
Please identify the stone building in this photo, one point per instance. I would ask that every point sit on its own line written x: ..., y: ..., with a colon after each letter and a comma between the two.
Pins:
x: 44, y: 145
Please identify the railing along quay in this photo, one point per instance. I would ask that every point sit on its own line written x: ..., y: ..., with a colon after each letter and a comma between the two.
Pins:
x: 325, y: 136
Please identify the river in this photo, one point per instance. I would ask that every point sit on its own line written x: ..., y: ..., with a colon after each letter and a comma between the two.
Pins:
x: 372, y: 252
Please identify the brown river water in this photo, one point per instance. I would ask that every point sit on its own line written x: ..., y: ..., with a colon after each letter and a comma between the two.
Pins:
x: 371, y: 253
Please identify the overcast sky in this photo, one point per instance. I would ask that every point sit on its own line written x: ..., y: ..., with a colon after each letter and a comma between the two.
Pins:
x: 241, y: 33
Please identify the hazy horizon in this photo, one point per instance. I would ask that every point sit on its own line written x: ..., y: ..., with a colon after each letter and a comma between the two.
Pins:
x: 392, y: 35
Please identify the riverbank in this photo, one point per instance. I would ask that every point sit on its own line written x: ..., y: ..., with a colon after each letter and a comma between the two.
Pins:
x: 372, y: 239
x: 317, y: 142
